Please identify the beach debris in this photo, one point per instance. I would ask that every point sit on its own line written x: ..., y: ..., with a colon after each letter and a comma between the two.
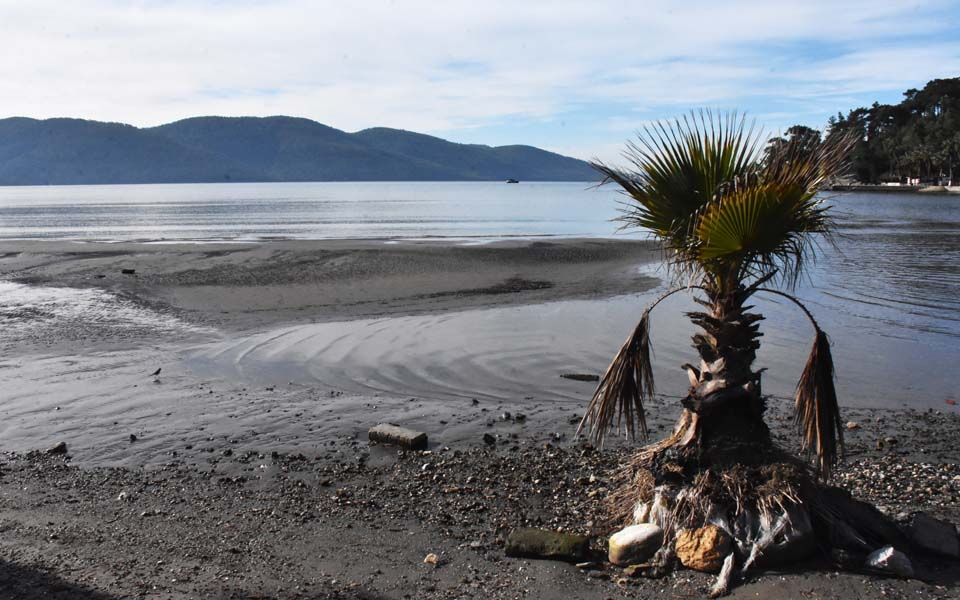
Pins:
x: 934, y: 536
x: 552, y: 545
x: 59, y: 448
x: 853, y: 425
x: 505, y: 416
x: 581, y: 376
x: 123, y: 496
x: 431, y: 559
x: 951, y: 402
x: 722, y: 585
x: 128, y: 271
x: 634, y: 544
x: 386, y: 433
x: 703, y: 549
x: 133, y: 438
x: 597, y: 574
x: 489, y: 440
x: 890, y: 560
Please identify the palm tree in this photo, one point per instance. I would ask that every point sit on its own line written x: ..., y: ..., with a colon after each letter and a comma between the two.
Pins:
x: 734, y: 222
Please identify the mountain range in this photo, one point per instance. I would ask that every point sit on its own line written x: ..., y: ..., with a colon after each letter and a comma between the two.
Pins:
x: 64, y: 151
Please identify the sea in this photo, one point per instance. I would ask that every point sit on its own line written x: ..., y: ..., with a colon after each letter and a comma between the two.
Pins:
x: 886, y: 289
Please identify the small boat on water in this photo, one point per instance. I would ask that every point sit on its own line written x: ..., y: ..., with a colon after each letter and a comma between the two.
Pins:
x: 513, y: 181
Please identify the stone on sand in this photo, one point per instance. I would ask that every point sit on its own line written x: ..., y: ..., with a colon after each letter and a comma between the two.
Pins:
x: 541, y: 543
x: 703, y: 549
x: 935, y: 536
x: 634, y: 544
x: 398, y: 436
x: 890, y: 560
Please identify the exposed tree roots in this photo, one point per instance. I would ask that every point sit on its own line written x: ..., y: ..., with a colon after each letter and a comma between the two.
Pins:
x: 772, y: 505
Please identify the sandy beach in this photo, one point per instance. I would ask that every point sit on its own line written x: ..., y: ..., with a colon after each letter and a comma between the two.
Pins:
x: 214, y: 483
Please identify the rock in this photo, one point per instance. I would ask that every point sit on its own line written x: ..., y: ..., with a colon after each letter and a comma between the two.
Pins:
x: 540, y: 543
x: 489, y: 440
x: 60, y: 448
x: 890, y: 560
x: 580, y: 376
x: 399, y: 436
x: 128, y: 271
x: 431, y: 559
x: 597, y: 574
x: 133, y: 437
x: 934, y: 536
x: 852, y: 425
x: 634, y: 544
x: 703, y: 549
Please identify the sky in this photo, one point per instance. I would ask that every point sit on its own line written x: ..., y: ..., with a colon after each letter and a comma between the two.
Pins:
x: 578, y: 78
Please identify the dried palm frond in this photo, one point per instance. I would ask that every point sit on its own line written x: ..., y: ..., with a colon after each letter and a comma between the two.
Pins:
x: 627, y: 383
x: 816, y: 411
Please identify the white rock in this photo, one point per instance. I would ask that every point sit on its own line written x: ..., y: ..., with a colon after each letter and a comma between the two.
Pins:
x: 890, y: 560
x: 935, y: 536
x: 635, y: 544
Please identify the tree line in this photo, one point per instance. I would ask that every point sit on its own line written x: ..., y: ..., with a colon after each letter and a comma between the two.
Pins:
x: 915, y: 141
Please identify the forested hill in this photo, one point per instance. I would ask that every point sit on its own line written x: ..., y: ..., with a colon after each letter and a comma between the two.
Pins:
x: 919, y: 138
x: 212, y: 149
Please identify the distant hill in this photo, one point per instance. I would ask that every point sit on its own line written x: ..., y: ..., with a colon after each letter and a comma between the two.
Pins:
x: 211, y: 149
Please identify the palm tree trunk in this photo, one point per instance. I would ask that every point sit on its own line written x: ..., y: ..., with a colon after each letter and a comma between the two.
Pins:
x: 724, y: 405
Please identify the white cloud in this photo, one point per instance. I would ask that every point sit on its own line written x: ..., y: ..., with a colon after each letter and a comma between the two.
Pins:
x: 458, y: 66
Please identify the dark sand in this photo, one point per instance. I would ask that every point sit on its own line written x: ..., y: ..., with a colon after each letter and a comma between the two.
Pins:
x: 226, y: 507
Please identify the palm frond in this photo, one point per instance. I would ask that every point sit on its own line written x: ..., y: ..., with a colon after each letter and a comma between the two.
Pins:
x: 623, y: 389
x: 677, y: 168
x: 816, y: 411
x: 698, y: 185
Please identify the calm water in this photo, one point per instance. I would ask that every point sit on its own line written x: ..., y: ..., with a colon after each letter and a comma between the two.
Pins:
x: 306, y: 211
x: 888, y: 293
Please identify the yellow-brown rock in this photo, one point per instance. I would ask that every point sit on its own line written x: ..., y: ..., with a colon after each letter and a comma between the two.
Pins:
x: 703, y: 549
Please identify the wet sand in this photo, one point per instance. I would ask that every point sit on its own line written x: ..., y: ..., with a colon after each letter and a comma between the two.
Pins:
x: 241, y: 286
x: 238, y: 486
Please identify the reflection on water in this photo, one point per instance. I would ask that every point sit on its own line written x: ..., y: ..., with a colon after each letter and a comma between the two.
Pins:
x: 306, y: 211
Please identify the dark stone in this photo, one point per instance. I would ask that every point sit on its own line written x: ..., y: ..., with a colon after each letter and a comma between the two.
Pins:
x: 128, y: 271
x: 489, y: 440
x: 60, y: 448
x: 551, y: 545
x: 934, y: 536
x: 580, y: 376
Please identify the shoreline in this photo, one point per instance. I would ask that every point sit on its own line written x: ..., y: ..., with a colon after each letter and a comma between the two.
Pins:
x: 935, y: 190
x: 236, y: 488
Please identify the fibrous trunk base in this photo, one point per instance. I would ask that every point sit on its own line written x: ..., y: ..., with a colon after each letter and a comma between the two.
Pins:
x: 772, y: 506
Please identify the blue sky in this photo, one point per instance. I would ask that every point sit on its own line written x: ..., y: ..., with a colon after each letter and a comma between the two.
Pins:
x: 575, y: 77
